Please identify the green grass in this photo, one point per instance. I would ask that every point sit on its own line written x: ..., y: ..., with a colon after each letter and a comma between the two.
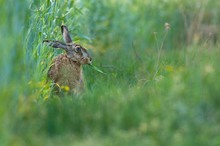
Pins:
x: 150, y: 95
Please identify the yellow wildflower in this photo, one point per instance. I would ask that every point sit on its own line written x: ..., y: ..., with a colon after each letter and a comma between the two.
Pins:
x: 66, y: 88
x: 169, y: 68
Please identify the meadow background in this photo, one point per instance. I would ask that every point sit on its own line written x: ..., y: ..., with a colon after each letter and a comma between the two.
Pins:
x: 162, y: 85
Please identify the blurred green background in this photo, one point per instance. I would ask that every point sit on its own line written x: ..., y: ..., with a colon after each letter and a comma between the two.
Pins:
x: 162, y: 85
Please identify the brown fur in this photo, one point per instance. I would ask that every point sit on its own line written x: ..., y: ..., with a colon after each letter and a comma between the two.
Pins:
x: 65, y: 72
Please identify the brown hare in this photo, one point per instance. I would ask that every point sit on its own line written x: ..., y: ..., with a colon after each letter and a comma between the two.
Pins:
x: 66, y: 69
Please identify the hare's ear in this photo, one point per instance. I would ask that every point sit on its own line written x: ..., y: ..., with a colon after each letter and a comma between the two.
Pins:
x: 56, y: 44
x: 66, y: 35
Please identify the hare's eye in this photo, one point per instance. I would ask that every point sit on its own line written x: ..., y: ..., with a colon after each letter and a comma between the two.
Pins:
x: 78, y: 49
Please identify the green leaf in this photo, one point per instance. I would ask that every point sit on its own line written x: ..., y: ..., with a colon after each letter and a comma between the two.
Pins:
x: 97, y: 69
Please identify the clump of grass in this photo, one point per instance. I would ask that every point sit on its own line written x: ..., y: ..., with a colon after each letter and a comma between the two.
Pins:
x: 182, y: 109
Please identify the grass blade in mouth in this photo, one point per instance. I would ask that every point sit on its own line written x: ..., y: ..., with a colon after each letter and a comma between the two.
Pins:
x: 97, y: 69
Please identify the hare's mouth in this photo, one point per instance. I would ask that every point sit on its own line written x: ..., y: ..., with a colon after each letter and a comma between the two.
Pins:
x: 86, y: 61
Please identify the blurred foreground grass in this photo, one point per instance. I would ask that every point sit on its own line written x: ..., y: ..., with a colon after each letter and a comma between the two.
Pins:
x: 142, y: 100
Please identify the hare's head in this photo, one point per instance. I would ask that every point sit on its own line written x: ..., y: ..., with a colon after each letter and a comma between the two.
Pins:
x: 74, y: 51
